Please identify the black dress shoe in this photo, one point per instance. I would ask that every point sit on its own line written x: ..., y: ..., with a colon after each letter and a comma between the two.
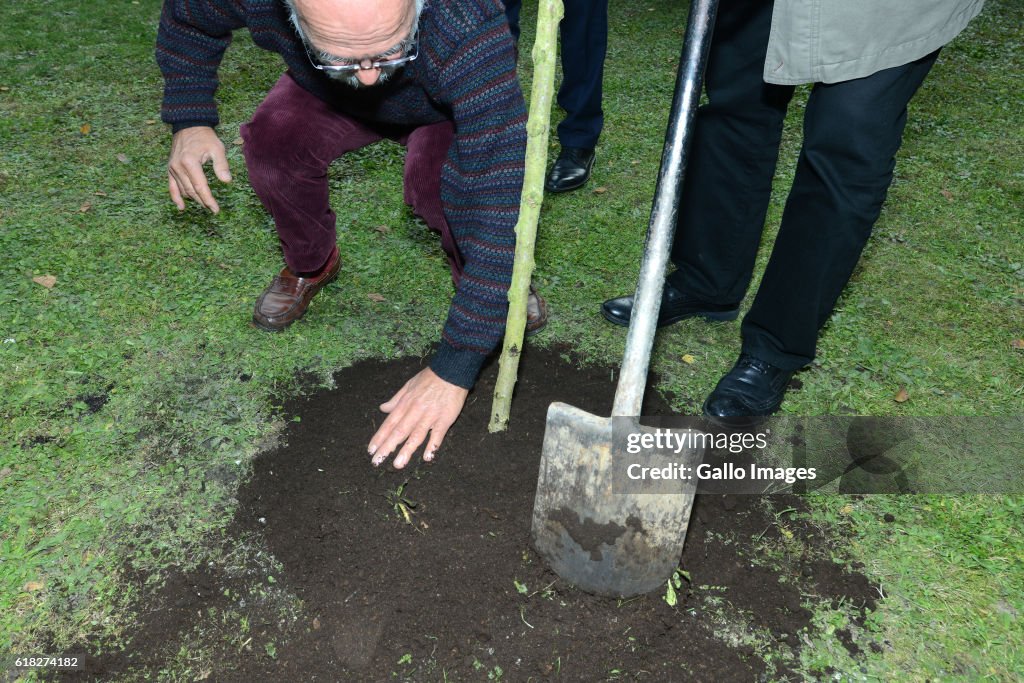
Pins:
x: 750, y: 392
x: 675, y: 306
x: 571, y: 170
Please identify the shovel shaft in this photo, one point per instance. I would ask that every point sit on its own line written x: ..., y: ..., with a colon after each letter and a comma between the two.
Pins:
x: 629, y: 394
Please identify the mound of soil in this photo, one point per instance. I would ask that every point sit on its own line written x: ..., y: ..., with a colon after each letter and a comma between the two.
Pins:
x: 428, y: 575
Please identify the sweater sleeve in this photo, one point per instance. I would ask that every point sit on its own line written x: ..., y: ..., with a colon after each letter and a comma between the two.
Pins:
x: 191, y: 40
x: 481, y: 183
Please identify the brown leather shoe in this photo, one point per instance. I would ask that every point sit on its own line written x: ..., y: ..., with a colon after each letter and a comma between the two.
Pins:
x: 536, y: 313
x: 288, y: 296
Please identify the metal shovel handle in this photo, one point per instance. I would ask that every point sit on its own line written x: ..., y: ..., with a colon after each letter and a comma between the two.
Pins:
x: 629, y: 394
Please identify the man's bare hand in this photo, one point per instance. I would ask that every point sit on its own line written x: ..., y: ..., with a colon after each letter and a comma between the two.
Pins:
x: 191, y: 149
x: 426, y: 405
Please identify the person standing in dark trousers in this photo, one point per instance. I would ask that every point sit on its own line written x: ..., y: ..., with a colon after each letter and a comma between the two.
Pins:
x: 584, y: 41
x: 866, y: 61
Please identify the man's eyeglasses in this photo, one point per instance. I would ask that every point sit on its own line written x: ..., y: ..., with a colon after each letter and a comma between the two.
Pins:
x: 411, y: 53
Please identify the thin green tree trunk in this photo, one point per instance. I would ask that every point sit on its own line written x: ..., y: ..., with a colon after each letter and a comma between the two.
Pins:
x: 545, y: 49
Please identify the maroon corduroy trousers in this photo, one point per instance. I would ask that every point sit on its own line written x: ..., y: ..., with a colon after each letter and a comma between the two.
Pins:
x: 290, y: 143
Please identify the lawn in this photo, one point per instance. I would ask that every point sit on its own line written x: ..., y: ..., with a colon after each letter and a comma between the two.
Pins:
x: 134, y: 393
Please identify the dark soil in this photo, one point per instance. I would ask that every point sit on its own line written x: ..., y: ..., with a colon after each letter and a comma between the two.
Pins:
x: 458, y: 594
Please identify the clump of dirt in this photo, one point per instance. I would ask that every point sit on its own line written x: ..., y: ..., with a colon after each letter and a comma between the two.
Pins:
x: 428, y: 574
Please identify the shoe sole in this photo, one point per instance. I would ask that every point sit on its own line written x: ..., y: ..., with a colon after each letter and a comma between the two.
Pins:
x: 568, y: 189
x: 742, y: 422
x: 710, y: 316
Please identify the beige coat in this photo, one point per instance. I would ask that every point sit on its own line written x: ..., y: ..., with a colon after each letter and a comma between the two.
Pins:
x: 839, y: 40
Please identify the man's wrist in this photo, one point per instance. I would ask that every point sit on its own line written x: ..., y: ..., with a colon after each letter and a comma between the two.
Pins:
x: 182, y: 125
x: 457, y: 366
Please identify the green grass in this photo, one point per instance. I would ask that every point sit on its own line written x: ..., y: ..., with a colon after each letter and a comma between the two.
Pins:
x: 949, y: 569
x: 134, y: 393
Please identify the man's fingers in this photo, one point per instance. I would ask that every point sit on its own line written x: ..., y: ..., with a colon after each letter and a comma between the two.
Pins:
x: 202, y: 189
x: 418, y: 436
x: 392, y: 433
x: 172, y: 186
x: 408, y: 425
x: 184, y: 184
x: 189, y: 180
x: 384, y: 452
x: 221, y: 168
x: 437, y: 435
x: 384, y: 433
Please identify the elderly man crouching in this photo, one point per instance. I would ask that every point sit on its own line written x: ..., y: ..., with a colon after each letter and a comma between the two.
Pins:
x: 439, y: 79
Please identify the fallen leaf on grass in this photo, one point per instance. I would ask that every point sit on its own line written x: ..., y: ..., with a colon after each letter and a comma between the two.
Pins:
x: 1017, y: 344
x: 85, y: 207
x: 5, y: 472
x: 47, y: 281
x: 846, y: 509
x: 237, y: 141
x: 123, y: 158
x: 85, y: 128
x: 947, y: 194
x: 150, y: 122
x: 375, y: 297
x: 901, y: 396
x: 382, y: 229
x: 600, y: 190
x: 33, y: 586
x: 100, y: 193
x: 688, y: 358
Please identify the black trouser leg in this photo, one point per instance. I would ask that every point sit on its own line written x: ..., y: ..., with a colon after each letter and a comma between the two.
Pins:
x: 735, y: 147
x: 584, y: 35
x: 852, y: 131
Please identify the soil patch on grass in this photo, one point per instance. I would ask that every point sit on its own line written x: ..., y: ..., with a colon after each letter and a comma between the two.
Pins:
x: 428, y: 575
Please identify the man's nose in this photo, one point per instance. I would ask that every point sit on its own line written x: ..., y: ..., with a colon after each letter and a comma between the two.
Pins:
x: 368, y: 76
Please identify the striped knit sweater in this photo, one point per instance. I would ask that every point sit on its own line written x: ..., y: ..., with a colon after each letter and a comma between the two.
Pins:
x: 465, y: 72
